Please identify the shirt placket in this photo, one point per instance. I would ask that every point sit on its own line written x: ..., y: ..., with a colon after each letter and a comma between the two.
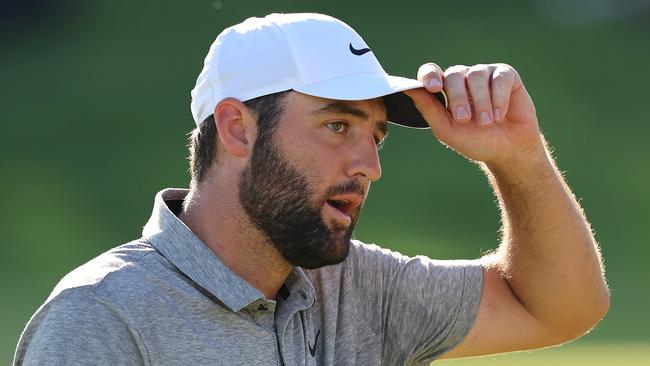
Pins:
x: 262, y: 313
x: 290, y: 308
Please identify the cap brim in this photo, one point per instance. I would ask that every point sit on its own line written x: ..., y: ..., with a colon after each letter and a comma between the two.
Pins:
x: 399, y: 106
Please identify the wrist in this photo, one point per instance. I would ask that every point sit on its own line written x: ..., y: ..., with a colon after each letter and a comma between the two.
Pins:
x: 525, y: 163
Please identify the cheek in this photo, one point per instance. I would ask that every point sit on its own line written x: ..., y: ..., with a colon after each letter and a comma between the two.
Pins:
x: 321, y: 169
x: 318, y: 159
x: 321, y: 165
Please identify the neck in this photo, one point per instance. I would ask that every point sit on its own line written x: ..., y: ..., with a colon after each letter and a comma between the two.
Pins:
x: 213, y: 213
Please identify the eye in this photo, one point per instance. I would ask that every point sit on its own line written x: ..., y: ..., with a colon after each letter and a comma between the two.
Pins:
x: 337, y: 126
x: 380, y: 143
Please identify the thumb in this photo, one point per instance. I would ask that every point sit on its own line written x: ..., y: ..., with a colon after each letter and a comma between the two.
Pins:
x: 432, y: 110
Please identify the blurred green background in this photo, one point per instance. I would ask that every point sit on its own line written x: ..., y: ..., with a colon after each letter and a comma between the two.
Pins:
x: 94, y: 107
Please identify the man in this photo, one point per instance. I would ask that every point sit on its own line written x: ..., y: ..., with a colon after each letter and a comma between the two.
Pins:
x: 255, y: 263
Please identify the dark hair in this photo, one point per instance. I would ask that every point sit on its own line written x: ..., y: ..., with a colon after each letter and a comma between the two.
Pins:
x: 203, y: 139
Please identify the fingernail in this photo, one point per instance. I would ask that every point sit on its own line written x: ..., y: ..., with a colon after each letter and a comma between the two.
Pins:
x: 461, y: 113
x: 434, y: 83
x: 497, y: 114
x: 485, y: 118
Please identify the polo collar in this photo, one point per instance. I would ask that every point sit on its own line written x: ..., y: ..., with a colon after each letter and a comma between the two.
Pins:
x: 178, y: 244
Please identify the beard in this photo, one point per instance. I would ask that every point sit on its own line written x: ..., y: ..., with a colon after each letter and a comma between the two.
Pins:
x: 279, y: 202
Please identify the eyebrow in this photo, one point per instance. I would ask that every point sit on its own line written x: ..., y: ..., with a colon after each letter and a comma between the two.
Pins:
x: 345, y: 108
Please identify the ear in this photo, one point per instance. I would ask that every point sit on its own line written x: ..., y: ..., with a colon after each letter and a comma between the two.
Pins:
x: 237, y: 127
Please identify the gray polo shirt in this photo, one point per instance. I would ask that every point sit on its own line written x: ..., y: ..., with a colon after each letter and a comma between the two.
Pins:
x: 166, y: 299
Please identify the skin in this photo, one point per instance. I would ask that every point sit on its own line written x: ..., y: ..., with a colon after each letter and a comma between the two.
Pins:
x: 544, y: 285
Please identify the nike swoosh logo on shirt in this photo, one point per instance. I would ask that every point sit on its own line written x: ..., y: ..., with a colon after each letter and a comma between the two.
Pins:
x: 360, y: 51
x: 312, y: 350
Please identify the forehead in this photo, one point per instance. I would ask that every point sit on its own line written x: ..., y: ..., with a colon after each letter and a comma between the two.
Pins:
x: 370, y: 109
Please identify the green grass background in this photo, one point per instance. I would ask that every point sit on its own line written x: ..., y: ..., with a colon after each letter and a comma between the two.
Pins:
x: 94, y: 109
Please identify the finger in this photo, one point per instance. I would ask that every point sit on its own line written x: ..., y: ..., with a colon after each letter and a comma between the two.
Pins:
x: 433, y: 112
x: 503, y: 79
x: 454, y: 84
x: 430, y: 75
x: 478, y: 83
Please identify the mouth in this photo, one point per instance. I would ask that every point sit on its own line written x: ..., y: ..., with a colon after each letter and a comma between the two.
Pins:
x: 342, y: 208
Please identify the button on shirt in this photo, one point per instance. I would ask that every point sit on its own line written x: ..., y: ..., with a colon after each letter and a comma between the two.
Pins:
x: 166, y: 299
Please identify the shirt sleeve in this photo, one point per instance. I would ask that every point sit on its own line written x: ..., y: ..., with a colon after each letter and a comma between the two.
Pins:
x: 426, y: 306
x: 79, y: 327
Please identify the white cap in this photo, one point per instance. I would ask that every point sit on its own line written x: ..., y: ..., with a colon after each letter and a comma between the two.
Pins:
x: 313, y: 54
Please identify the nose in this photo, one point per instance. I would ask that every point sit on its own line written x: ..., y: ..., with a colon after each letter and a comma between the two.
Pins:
x: 364, y: 160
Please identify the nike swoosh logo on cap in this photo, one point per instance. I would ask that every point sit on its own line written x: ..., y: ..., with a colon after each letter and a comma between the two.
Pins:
x: 360, y: 51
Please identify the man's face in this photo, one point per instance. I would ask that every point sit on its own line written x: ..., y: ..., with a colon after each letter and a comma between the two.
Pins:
x: 305, y: 184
